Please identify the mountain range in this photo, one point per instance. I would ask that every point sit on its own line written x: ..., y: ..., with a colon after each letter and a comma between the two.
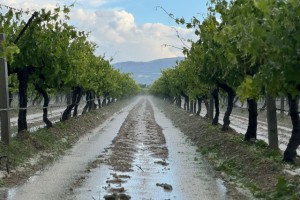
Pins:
x: 146, y: 72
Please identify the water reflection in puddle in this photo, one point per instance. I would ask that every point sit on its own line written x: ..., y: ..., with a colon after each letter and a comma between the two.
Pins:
x: 55, y: 181
x: 194, y: 178
x: 187, y: 172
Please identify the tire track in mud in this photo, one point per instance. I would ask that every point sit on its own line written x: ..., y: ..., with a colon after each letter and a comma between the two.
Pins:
x: 140, y: 142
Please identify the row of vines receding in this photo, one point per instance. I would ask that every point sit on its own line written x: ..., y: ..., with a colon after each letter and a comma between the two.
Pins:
x: 246, y: 49
x: 47, y: 55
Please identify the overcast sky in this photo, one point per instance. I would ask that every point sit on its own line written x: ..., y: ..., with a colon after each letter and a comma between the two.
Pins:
x: 128, y: 30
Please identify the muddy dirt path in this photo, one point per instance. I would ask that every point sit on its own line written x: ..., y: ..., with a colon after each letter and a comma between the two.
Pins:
x: 136, y: 154
x: 149, y: 160
x: 55, y: 181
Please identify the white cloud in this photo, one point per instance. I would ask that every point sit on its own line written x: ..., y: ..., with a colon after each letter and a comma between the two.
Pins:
x: 93, y: 3
x: 117, y: 35
x: 116, y: 32
x: 32, y: 4
x: 143, y: 76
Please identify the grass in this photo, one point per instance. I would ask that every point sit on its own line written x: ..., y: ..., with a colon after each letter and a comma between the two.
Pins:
x: 18, y: 151
x: 43, y: 140
x: 261, y: 156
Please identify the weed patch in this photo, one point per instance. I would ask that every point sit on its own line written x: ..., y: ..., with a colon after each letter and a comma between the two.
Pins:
x: 18, y: 151
x: 284, y: 190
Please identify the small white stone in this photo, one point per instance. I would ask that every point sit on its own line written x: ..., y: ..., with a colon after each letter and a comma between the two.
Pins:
x: 64, y: 140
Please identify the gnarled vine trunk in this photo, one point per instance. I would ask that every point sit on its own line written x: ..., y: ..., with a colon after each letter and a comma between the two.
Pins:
x: 252, y: 120
x: 191, y: 109
x: 235, y: 101
x: 23, y: 75
x: 174, y: 100
x: 105, y: 98
x: 178, y: 101
x: 87, y: 105
x: 291, y: 151
x: 99, y: 102
x: 36, y: 100
x: 90, y: 102
x: 264, y: 106
x: 76, y: 96
x: 215, y: 94
x: 104, y: 102
x: 75, y: 113
x: 186, y: 101
x: 207, y: 108
x: 93, y: 106
x: 231, y: 94
x: 45, y: 95
x: 11, y: 97
x: 199, y: 101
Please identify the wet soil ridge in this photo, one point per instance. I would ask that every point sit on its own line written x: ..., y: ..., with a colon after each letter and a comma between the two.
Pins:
x: 139, y: 135
x: 153, y: 137
x: 138, y: 132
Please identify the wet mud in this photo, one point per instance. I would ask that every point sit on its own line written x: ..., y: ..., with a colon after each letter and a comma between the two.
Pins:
x: 55, y: 181
x: 149, y: 160
x: 135, y: 154
x: 138, y: 133
x: 140, y: 140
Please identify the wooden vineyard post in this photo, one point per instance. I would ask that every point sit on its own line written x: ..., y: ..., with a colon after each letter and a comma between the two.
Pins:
x: 4, y: 98
x: 282, y: 106
x: 211, y: 105
x: 272, y: 122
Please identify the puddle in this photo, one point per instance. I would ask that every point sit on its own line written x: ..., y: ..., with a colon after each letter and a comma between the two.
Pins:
x: 193, y: 176
x: 54, y: 182
x: 179, y: 166
x: 183, y: 168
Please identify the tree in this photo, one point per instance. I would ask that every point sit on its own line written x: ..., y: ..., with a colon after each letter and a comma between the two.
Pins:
x: 280, y: 72
x: 53, y: 56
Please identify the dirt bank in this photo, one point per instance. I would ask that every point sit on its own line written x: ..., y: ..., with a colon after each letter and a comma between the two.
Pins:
x: 246, y: 165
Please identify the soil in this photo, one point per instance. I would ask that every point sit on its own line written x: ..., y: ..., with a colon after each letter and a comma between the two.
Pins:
x: 141, y: 142
x: 139, y: 131
x: 149, y: 158
x: 67, y: 133
x: 137, y: 128
x: 240, y: 163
